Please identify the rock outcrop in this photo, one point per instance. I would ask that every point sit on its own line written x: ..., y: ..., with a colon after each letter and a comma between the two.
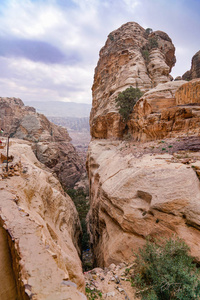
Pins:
x: 136, y: 195
x: 51, y: 143
x: 169, y: 110
x: 39, y: 232
x: 195, y: 68
x: 137, y: 191
x: 130, y: 57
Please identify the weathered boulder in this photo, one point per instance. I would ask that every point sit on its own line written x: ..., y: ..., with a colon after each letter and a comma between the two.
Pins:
x: 137, y: 196
x: 130, y: 57
x: 39, y: 230
x: 169, y: 110
x: 195, y: 68
x: 51, y: 143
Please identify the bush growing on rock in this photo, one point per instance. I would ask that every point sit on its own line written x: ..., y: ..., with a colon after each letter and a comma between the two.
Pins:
x: 126, y: 101
x: 148, y: 31
x: 164, y: 270
x: 80, y: 200
x: 153, y: 43
x: 145, y: 54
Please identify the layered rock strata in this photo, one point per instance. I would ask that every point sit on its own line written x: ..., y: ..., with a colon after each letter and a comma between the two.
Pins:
x: 135, y: 196
x: 39, y: 230
x: 51, y: 143
x: 169, y: 110
x: 130, y: 57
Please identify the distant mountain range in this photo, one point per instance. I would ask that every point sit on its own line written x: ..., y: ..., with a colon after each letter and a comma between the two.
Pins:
x: 61, y: 109
x: 71, y: 123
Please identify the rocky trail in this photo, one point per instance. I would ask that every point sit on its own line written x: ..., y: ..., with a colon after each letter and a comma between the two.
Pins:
x: 113, y: 282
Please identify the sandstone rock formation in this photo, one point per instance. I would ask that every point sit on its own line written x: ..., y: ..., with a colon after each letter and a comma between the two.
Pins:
x: 195, y: 68
x: 39, y: 233
x: 136, y: 191
x: 134, y: 196
x: 51, y: 143
x: 130, y: 57
x: 169, y: 110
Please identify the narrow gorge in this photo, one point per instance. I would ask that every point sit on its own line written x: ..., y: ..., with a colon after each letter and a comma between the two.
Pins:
x: 144, y: 171
x: 143, y: 176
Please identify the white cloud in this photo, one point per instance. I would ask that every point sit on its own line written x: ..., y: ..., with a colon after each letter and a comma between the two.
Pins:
x: 26, y: 80
x: 78, y: 29
x: 27, y: 19
x: 131, y: 4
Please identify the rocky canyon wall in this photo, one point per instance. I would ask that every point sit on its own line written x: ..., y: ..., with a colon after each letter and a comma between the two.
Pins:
x: 51, y: 143
x: 39, y: 232
x: 147, y: 186
x: 194, y: 72
x: 169, y: 110
x: 135, y: 195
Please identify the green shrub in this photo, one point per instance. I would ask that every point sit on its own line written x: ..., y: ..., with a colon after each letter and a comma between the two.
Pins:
x: 145, y: 54
x: 111, y: 37
x: 164, y: 270
x: 93, y: 294
x: 126, y: 101
x: 153, y: 43
x: 82, y: 206
x: 148, y: 31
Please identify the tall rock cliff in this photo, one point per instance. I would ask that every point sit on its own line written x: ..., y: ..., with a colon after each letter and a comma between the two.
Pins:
x: 51, y: 143
x: 132, y: 56
x: 39, y: 232
x: 195, y: 68
x: 139, y: 191
x: 148, y: 186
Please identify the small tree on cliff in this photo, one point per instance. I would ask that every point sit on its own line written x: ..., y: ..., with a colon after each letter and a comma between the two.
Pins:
x: 148, y: 31
x: 126, y: 101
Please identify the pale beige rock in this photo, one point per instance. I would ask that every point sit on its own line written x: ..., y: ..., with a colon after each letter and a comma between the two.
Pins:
x: 44, y: 227
x: 122, y: 64
x: 132, y: 198
x: 114, y: 284
x: 51, y: 143
x: 157, y: 67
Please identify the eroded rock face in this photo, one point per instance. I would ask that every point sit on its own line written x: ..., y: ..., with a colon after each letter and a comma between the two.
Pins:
x: 188, y: 93
x: 43, y: 228
x: 130, y: 57
x: 169, y: 110
x: 8, y: 290
x: 195, y: 68
x: 135, y: 195
x: 137, y: 192
x: 51, y: 143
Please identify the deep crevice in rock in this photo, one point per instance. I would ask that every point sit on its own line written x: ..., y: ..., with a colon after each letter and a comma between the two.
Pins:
x: 11, y: 286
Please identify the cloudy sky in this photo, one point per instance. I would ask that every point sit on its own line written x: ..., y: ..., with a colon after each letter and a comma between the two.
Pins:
x: 49, y: 48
